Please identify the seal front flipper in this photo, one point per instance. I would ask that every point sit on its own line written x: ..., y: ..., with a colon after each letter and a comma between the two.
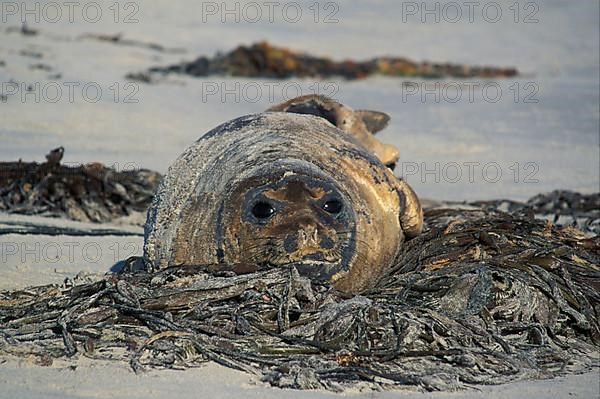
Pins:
x: 411, y: 217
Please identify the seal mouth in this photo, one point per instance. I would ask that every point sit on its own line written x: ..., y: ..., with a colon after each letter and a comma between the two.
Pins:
x: 311, y: 262
x: 316, y: 270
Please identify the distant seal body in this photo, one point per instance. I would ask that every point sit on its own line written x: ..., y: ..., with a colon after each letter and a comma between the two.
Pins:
x: 282, y: 189
x: 361, y: 124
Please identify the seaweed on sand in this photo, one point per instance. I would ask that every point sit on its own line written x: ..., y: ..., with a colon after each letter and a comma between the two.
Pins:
x: 97, y: 193
x: 481, y: 297
x: 264, y: 60
x: 87, y: 193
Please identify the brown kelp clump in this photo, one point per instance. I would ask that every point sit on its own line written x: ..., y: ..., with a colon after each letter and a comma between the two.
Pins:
x: 263, y: 60
x: 91, y: 192
x: 481, y: 297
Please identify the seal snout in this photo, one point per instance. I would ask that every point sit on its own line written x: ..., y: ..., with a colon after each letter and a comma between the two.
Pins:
x: 308, y: 242
x: 309, y: 237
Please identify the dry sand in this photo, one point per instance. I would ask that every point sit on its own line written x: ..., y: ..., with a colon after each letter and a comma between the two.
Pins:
x: 101, y: 379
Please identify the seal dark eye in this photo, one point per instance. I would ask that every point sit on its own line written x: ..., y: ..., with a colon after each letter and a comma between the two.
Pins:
x: 263, y: 210
x: 333, y: 206
x: 391, y: 165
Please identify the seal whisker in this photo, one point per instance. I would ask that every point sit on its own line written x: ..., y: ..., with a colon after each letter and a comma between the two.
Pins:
x: 357, y: 240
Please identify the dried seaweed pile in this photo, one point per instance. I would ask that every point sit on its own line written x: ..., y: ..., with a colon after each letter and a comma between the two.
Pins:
x: 85, y: 193
x: 482, y: 297
x: 561, y: 207
x: 267, y: 61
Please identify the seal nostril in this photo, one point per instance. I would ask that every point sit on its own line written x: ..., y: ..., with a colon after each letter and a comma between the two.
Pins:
x: 326, y: 243
x: 290, y: 244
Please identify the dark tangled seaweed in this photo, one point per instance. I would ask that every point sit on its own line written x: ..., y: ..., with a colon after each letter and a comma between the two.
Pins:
x: 481, y: 297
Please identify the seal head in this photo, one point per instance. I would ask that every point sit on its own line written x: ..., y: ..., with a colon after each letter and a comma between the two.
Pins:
x: 279, y: 190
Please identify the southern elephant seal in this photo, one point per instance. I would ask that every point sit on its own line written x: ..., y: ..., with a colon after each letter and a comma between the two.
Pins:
x: 280, y: 189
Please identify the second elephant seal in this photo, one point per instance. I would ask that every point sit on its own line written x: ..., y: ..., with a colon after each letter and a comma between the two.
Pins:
x: 361, y: 124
